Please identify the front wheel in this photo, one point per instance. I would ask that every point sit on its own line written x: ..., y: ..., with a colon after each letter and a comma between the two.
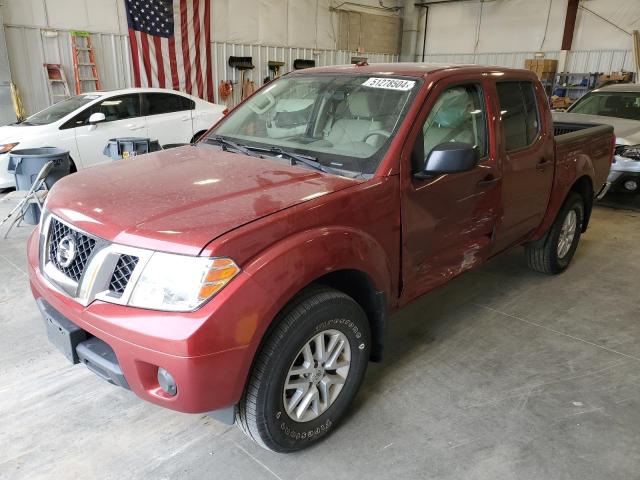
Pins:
x: 553, y: 253
x: 307, y: 372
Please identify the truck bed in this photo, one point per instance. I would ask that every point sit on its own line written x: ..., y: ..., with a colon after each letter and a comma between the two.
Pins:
x: 573, y: 140
x: 561, y: 130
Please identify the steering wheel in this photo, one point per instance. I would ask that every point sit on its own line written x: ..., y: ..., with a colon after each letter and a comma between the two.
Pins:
x: 382, y: 133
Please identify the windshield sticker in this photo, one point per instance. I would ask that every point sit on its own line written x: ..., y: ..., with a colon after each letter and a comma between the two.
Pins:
x: 390, y: 83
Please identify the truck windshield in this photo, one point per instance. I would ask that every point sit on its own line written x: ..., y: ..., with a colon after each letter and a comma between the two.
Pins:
x: 59, y: 110
x: 342, y: 122
x: 609, y: 104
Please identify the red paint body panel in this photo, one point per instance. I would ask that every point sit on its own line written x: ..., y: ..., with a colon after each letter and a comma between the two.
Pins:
x: 178, y: 200
x: 286, y: 226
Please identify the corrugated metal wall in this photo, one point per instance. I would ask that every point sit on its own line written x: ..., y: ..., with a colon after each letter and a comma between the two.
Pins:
x: 605, y: 61
x: 30, y: 47
x: 261, y: 54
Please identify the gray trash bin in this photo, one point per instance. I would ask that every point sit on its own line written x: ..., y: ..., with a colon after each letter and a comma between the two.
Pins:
x: 119, y: 148
x: 25, y: 164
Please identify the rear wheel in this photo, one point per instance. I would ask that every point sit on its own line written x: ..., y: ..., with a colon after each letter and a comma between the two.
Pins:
x: 553, y: 253
x: 308, y: 371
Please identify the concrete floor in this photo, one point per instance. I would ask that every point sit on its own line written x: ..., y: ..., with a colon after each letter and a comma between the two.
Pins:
x: 501, y: 374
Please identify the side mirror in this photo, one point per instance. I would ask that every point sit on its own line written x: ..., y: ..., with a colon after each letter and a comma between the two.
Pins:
x: 449, y: 157
x: 96, y: 118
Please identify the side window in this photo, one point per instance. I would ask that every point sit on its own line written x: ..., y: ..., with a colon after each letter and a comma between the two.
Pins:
x: 158, y: 103
x: 119, y: 108
x: 79, y: 120
x: 457, y: 116
x: 519, y: 112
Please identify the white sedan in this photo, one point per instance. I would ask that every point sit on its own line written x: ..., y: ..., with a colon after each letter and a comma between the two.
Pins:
x: 84, y: 124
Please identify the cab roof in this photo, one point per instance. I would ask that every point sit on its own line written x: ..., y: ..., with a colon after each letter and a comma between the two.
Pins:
x: 413, y: 69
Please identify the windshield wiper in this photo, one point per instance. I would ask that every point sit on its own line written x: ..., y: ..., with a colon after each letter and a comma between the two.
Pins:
x: 307, y: 160
x: 226, y: 144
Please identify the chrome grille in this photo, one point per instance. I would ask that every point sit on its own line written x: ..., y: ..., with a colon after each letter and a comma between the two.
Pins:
x: 84, y: 247
x: 122, y: 274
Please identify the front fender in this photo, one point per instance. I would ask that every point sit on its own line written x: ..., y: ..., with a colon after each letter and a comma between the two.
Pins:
x: 288, y: 266
x: 285, y: 268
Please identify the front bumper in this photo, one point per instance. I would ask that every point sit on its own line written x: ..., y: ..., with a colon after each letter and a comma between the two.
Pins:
x: 208, y: 352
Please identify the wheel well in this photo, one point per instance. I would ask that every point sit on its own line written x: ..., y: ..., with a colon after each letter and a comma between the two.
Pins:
x: 359, y: 286
x: 584, y: 188
x: 197, y: 136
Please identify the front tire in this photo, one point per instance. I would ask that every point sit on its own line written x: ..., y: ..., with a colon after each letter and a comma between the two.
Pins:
x: 553, y: 252
x: 307, y: 372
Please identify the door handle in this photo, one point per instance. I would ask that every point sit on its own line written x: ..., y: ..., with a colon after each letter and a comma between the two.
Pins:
x: 133, y: 126
x: 488, y: 181
x: 542, y: 164
x: 184, y: 119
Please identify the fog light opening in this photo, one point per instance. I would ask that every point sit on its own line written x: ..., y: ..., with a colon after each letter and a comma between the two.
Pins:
x: 166, y: 382
x: 631, y: 185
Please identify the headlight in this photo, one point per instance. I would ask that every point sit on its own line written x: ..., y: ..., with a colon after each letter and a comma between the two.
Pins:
x: 629, y: 151
x: 7, y: 147
x: 181, y: 283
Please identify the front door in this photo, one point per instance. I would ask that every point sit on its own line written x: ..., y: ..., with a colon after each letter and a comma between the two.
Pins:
x: 122, y: 119
x: 448, y: 220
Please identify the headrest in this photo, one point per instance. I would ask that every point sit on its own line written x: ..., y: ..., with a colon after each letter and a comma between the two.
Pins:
x: 358, y: 104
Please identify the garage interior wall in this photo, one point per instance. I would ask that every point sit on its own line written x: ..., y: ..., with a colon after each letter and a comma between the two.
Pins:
x: 505, y: 32
x: 6, y: 108
x: 37, y: 32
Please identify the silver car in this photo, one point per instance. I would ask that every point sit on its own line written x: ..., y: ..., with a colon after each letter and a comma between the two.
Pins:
x: 617, y: 105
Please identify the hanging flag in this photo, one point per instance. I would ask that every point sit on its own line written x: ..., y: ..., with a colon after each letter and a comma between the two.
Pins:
x: 171, y: 45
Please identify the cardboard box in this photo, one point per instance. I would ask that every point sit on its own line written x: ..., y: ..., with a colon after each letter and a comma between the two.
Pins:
x: 616, y: 77
x: 560, y: 102
x: 548, y: 65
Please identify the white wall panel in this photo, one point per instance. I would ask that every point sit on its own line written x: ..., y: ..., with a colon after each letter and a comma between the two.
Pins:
x: 519, y: 26
x: 24, y: 12
x: 29, y: 49
x: 261, y: 54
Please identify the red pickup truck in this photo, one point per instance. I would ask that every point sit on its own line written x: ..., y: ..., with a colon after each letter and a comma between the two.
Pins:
x: 252, y: 275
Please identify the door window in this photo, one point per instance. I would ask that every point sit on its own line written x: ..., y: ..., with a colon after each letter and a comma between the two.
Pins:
x: 519, y: 111
x: 114, y: 108
x: 457, y: 116
x: 158, y: 103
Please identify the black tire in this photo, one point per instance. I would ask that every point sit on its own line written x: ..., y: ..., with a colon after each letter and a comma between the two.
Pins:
x: 261, y: 413
x: 542, y: 255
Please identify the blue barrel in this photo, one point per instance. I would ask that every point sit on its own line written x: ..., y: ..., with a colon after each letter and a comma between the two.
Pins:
x: 25, y: 164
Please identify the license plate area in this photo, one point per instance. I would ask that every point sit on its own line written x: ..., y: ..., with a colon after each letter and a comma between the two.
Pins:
x: 64, y: 334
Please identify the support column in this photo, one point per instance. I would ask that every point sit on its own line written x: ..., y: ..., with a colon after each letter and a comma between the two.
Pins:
x: 7, y: 114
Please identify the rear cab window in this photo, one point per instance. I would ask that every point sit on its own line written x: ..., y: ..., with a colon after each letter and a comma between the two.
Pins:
x: 519, y: 113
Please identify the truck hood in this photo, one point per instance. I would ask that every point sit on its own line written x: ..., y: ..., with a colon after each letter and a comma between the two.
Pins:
x: 627, y: 131
x: 20, y: 133
x: 178, y: 200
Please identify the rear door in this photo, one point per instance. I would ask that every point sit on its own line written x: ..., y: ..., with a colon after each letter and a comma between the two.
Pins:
x: 169, y: 117
x: 448, y: 220
x: 528, y: 159
x: 122, y: 119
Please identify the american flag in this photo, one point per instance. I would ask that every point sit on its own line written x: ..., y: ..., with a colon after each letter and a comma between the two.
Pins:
x: 171, y: 44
